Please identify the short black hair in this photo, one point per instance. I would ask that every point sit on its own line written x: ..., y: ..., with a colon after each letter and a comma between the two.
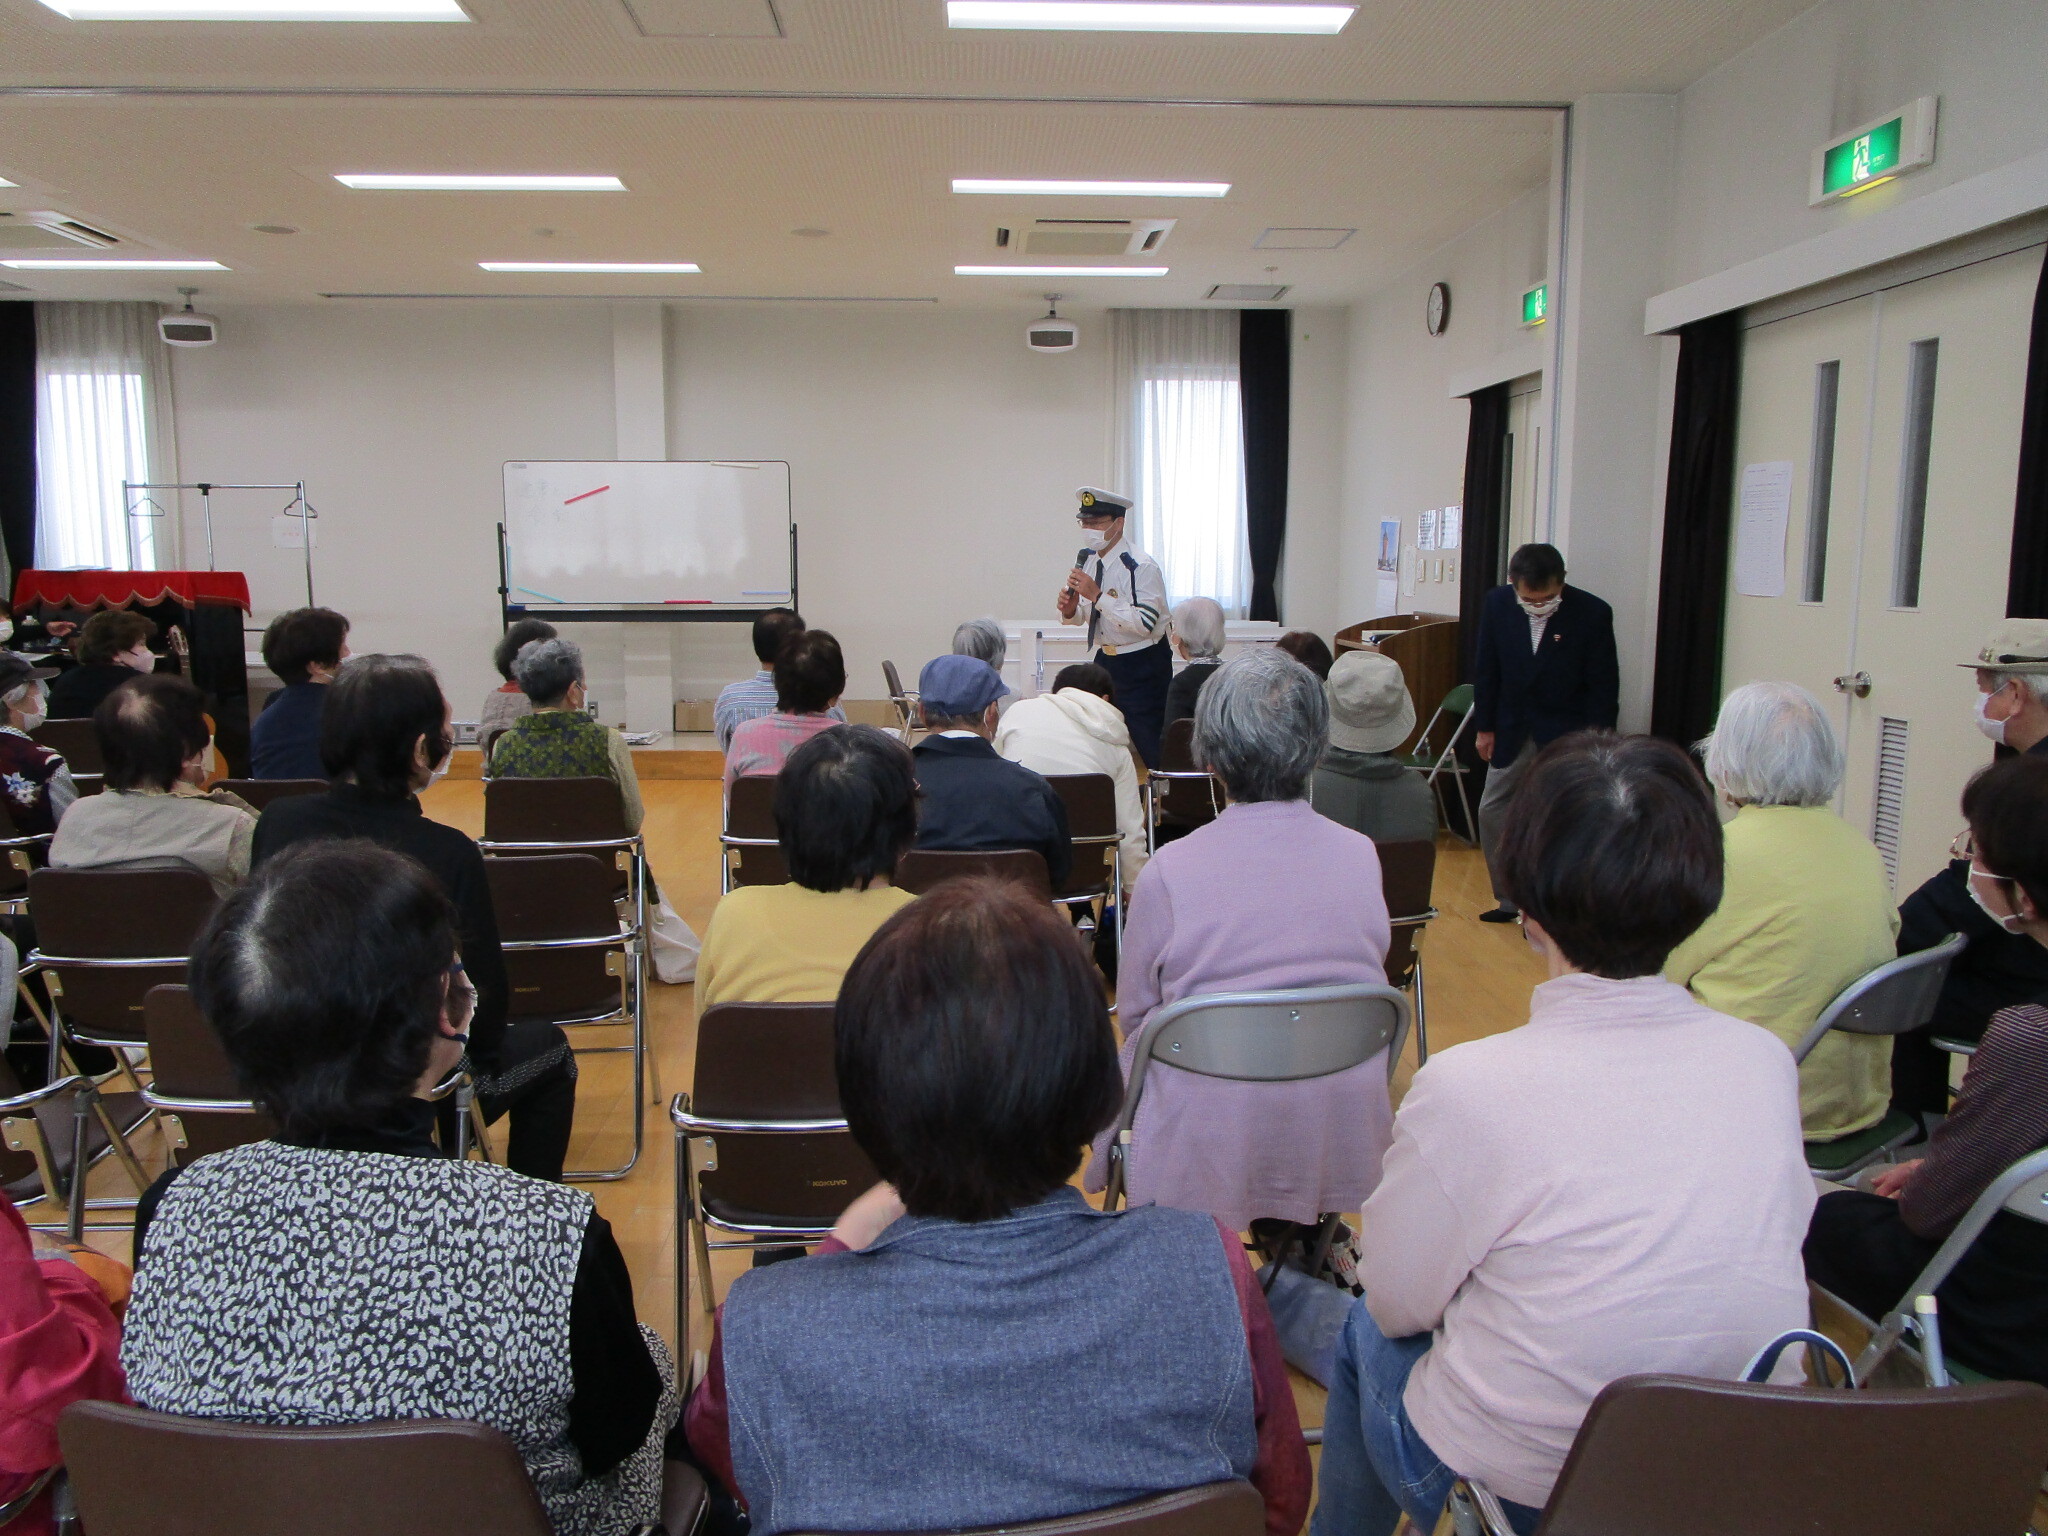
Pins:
x: 325, y: 975
x: 1089, y: 678
x: 845, y: 807
x: 1612, y: 845
x: 147, y: 728
x: 974, y: 1051
x: 1536, y: 565
x: 809, y: 673
x: 772, y: 631
x: 523, y: 632
x: 295, y: 640
x: 111, y: 631
x: 2006, y: 806
x: 1309, y: 650
x: 376, y: 711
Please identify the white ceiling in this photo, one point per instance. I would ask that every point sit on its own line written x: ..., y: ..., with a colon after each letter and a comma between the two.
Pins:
x: 179, y: 137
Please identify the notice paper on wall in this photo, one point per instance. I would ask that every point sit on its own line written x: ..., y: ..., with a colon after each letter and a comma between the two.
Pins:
x: 1409, y: 561
x: 1425, y: 529
x: 1762, y: 516
x: 1448, y: 526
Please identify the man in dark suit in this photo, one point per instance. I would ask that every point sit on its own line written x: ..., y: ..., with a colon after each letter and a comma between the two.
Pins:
x: 1544, y: 666
x: 972, y: 799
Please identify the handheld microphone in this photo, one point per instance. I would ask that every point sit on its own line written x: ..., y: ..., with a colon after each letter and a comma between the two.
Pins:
x: 1081, y: 559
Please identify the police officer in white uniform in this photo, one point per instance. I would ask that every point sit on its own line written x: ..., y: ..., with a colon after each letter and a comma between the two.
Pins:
x: 1119, y: 592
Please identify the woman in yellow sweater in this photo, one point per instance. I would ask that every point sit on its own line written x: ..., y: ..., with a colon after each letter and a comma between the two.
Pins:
x: 845, y: 811
x: 1805, y: 908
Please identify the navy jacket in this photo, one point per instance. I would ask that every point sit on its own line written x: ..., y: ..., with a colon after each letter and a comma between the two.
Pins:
x: 976, y: 801
x: 1573, y: 683
x: 284, y: 743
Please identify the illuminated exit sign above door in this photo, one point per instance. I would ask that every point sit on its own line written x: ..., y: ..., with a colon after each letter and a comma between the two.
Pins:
x: 1874, y: 154
x: 1536, y: 304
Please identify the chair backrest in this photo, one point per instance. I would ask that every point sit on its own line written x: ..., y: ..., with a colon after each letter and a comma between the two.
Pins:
x: 1407, y: 872
x: 1682, y: 1456
x: 586, y: 810
x: 1215, y: 1509
x: 545, y: 905
x: 188, y: 1063
x: 1276, y: 1036
x: 75, y: 741
x: 138, y: 1473
x: 895, y: 681
x: 1185, y: 802
x: 13, y: 879
x: 1177, y: 746
x: 91, y: 924
x: 923, y: 868
x: 1895, y: 997
x: 750, y: 814
x: 1090, y: 799
x: 1458, y: 701
x: 260, y: 793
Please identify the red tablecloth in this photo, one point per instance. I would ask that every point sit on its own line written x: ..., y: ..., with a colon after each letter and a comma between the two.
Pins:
x: 120, y: 589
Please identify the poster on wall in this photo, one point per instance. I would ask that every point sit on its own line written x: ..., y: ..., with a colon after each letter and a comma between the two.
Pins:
x: 1425, y: 529
x: 1390, y: 544
x: 1449, y: 526
x: 1763, y: 513
x: 1410, y: 560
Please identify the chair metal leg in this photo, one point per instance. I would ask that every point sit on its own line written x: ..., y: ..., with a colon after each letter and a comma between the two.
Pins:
x: 704, y: 1263
x: 683, y: 1208
x: 119, y: 1140
x: 465, y: 1099
x: 81, y: 1112
x: 1421, y: 1017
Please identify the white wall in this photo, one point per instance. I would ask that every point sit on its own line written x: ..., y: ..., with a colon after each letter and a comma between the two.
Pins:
x: 1309, y: 570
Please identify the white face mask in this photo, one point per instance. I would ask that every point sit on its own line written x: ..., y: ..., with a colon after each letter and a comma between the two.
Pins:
x: 2009, y: 921
x: 6, y: 629
x: 29, y: 721
x: 1542, y: 610
x: 1095, y: 539
x: 1995, y: 729
x: 439, y: 771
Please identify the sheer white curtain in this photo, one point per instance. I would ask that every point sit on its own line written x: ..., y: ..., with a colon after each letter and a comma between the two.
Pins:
x: 103, y: 415
x: 1179, y: 446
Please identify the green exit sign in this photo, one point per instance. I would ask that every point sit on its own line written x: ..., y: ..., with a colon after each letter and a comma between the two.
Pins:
x: 1536, y: 304
x: 1874, y: 154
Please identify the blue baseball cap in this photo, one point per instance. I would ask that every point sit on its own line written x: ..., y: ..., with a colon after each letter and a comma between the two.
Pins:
x: 957, y: 687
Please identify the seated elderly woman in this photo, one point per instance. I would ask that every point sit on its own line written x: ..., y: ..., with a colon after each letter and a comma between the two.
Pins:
x: 1617, y: 1186
x: 152, y: 814
x: 810, y: 675
x: 982, y: 639
x: 1310, y: 649
x: 304, y: 648
x: 346, y: 1272
x: 1268, y: 895
x: 1360, y: 783
x: 845, y: 812
x: 975, y: 1345
x: 1077, y: 728
x: 36, y: 787
x: 1198, y: 636
x: 1805, y: 907
x: 1868, y: 1245
x: 508, y: 702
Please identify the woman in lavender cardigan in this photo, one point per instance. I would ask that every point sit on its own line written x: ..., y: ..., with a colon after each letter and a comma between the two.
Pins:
x: 1268, y: 895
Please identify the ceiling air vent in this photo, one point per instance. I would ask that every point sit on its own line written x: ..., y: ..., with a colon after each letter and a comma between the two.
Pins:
x: 1086, y: 237
x: 1247, y: 293
x: 68, y: 228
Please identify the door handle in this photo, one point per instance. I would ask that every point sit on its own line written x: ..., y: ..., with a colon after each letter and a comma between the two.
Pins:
x: 1857, y: 683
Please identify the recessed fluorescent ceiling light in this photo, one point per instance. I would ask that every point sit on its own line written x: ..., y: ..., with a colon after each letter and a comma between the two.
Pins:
x: 1095, y: 188
x: 1059, y: 271
x: 1145, y: 16
x: 590, y: 266
x: 364, y: 182
x: 50, y: 264
x: 259, y: 10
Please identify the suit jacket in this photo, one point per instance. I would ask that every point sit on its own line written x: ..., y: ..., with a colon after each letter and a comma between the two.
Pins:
x: 1572, y: 682
x: 976, y: 801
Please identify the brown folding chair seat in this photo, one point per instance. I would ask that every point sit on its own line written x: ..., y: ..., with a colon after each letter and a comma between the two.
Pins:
x: 923, y: 868
x: 762, y: 1147
x: 138, y: 1473
x: 260, y: 793
x: 192, y: 1085
x: 750, y: 845
x: 79, y: 745
x: 1177, y: 793
x: 570, y: 961
x: 1407, y: 871
x: 1215, y: 1509
x: 1682, y: 1456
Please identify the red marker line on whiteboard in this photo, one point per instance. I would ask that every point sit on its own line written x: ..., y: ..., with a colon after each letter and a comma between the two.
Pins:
x: 586, y: 496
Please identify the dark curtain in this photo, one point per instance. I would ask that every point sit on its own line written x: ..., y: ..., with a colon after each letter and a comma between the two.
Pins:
x: 1264, y: 374
x: 18, y: 436
x: 1486, y: 510
x: 1699, y: 503
x: 2026, y: 590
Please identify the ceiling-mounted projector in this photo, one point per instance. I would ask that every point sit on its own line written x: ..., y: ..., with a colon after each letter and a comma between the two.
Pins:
x: 1052, y: 334
x: 187, y: 328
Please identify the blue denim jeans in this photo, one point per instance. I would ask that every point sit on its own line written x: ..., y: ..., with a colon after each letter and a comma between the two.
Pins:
x: 1375, y: 1466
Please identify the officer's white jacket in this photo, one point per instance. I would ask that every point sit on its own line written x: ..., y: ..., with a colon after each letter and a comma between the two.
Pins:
x: 1132, y: 608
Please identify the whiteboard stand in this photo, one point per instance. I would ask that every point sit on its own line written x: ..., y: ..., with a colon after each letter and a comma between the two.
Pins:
x: 135, y: 495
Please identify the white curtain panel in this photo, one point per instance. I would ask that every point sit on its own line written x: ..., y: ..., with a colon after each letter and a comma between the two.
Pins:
x: 103, y: 416
x: 1178, y: 442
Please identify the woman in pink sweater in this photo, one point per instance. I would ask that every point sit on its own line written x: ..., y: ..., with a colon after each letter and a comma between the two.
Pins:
x: 1617, y: 1186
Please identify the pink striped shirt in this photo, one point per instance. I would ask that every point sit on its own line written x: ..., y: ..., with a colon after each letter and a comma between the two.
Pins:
x: 761, y: 747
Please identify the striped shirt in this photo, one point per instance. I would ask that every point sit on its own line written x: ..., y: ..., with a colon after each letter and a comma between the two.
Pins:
x: 2000, y: 1115
x: 762, y: 746
x: 749, y: 699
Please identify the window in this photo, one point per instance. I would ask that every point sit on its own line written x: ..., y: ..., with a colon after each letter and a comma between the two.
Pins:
x: 101, y: 393
x: 1180, y: 447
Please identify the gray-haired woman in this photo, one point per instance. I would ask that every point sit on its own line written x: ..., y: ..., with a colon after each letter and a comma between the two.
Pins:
x: 1198, y: 637
x: 1268, y: 895
x: 1806, y: 908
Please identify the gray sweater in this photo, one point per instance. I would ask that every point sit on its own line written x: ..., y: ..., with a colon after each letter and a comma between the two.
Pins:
x: 1371, y: 792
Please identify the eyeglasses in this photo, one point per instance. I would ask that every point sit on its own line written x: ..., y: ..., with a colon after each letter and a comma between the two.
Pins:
x: 1965, y: 845
x: 461, y: 998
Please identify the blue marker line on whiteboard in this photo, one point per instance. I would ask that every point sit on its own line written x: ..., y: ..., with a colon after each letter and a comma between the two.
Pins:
x: 541, y: 595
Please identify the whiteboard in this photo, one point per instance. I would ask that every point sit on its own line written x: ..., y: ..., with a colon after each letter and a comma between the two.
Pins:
x: 598, y: 533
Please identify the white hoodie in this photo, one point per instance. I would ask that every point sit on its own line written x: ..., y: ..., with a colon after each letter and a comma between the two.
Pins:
x: 1073, y: 731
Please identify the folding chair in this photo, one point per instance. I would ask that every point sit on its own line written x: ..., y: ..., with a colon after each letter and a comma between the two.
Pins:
x: 1898, y: 996
x: 79, y: 745
x: 260, y: 793
x: 201, y: 1104
x: 1434, y: 765
x: 923, y: 868
x: 905, y: 700
x: 569, y: 959
x: 1407, y: 871
x: 47, y: 1133
x: 1259, y: 1037
x: 1684, y: 1456
x: 750, y: 847
x: 1214, y: 1509
x: 762, y: 1147
x: 1177, y: 793
x: 138, y: 1473
x: 1097, y: 871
